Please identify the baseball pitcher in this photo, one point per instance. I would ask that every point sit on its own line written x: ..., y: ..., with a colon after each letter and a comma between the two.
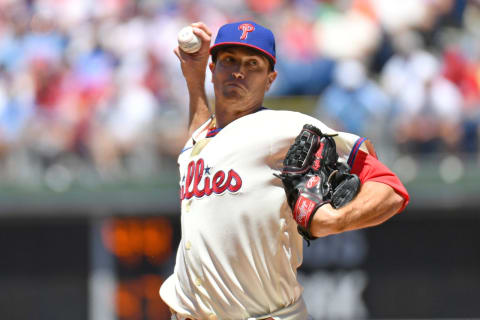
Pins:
x: 255, y: 182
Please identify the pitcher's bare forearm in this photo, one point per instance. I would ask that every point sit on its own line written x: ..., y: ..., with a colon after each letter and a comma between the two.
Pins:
x: 375, y: 203
x: 194, y: 68
x: 199, y: 111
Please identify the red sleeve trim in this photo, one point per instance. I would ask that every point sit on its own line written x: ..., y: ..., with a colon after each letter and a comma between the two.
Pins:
x: 355, y: 149
x: 368, y: 168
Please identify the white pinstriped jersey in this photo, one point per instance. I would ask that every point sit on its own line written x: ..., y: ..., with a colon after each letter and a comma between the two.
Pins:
x: 240, y: 249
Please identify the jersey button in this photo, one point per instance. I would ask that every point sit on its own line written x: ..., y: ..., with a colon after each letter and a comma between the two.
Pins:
x: 212, y: 316
x: 198, y: 282
x: 188, y: 245
x: 188, y: 205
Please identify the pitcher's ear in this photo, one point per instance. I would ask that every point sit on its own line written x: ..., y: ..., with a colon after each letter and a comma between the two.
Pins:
x: 272, y: 75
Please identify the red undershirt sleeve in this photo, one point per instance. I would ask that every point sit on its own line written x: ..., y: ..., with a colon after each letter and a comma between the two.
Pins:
x: 368, y: 168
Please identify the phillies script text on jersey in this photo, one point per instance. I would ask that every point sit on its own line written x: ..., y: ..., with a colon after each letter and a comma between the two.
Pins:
x: 219, y: 183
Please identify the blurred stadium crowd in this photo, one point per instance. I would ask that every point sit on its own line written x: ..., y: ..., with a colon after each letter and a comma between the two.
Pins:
x: 91, y: 91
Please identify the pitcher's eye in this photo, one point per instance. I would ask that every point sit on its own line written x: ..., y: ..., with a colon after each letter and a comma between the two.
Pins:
x: 228, y: 60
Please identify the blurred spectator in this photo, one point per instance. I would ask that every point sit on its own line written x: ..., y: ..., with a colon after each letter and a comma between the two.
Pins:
x: 462, y: 73
x: 428, y: 106
x: 353, y: 101
x: 352, y: 34
x: 124, y: 128
x: 310, y: 72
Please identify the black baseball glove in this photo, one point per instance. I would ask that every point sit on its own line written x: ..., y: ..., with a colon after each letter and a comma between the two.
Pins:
x: 312, y: 176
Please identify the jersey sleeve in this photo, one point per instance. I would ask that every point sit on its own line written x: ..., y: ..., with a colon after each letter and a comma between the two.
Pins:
x: 369, y: 168
x: 360, y: 155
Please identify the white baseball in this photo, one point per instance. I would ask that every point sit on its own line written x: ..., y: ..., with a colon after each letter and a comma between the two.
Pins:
x: 188, y: 41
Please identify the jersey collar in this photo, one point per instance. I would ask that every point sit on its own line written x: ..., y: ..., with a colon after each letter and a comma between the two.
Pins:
x: 213, y: 130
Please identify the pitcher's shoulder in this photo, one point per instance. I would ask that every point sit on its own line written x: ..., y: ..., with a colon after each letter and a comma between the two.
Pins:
x: 284, y: 119
x: 285, y: 115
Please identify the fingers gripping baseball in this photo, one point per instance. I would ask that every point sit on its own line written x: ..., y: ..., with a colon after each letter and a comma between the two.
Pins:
x: 194, y: 57
x: 312, y: 176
